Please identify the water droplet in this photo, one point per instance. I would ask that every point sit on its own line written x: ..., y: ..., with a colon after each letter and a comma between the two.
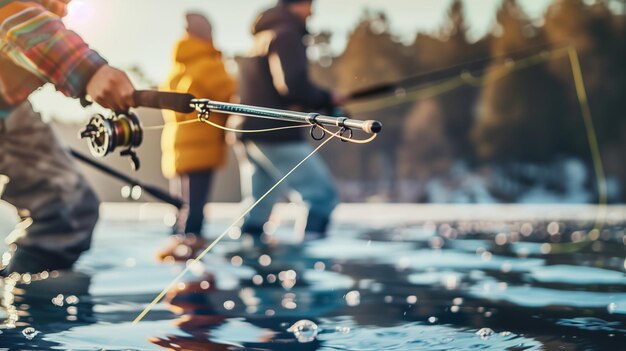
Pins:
x: 236, y: 261
x: 553, y: 228
x: 411, y: 299
x: 30, y: 333
x: 265, y: 260
x: 204, y: 285
x: 58, y: 300
x: 72, y: 300
x: 501, y: 239
x: 612, y: 307
x: 353, y: 298
x: 229, y: 305
x: 432, y: 319
x: 135, y: 193
x: 485, y: 333
x: 257, y: 280
x: 304, y: 330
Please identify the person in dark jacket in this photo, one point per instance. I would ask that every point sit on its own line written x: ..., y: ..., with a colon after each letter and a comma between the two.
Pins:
x: 275, y: 75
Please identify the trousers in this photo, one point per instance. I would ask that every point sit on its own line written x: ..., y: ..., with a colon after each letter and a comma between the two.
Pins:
x: 46, y: 186
x: 312, y: 181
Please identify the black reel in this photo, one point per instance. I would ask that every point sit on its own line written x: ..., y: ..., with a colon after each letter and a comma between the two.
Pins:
x: 105, y: 134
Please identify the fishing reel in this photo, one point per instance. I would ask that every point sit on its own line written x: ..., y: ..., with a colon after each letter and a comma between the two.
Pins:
x: 105, y: 134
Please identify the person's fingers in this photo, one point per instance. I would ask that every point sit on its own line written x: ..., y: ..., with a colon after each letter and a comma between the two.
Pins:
x: 125, y: 99
x: 110, y: 101
x: 112, y: 89
x: 122, y: 90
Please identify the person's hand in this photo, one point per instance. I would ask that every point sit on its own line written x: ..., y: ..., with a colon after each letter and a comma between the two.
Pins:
x: 198, y: 26
x: 338, y: 98
x: 112, y: 89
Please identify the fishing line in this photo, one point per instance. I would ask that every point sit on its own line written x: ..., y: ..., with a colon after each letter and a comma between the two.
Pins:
x: 596, y: 158
x: 464, y: 78
x: 431, y: 91
x: 508, y: 67
x: 159, y: 127
x: 221, y: 236
x: 253, y: 130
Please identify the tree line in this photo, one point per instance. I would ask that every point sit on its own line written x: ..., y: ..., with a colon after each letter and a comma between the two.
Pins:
x: 527, y: 114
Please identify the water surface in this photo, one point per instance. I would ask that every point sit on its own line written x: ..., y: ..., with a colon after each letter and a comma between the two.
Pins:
x: 424, y: 286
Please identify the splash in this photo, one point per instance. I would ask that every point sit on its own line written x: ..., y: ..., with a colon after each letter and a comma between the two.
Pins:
x: 304, y: 330
x: 485, y: 333
x: 30, y: 333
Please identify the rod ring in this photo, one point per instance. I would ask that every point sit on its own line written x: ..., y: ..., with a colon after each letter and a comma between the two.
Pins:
x: 204, y: 114
x: 342, y: 131
x: 312, y: 132
x: 341, y: 122
x: 312, y: 118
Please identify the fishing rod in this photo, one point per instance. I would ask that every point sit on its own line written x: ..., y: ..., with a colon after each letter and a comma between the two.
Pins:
x: 469, y: 67
x: 150, y: 189
x: 105, y: 134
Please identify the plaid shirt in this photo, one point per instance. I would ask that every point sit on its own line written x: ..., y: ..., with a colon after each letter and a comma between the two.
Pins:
x: 35, y: 48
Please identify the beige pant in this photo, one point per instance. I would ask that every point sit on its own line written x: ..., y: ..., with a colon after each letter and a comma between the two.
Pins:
x: 45, y: 183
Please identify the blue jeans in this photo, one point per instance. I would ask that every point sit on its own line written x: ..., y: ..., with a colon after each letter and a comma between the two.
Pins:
x: 268, y: 163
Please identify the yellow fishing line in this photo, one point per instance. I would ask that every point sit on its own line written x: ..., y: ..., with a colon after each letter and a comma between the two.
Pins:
x: 464, y: 78
x: 596, y: 157
x: 592, y: 138
x: 354, y: 141
x: 159, y: 127
x: 499, y: 72
x: 253, y: 130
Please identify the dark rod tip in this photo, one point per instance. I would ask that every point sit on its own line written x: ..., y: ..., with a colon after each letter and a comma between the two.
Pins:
x: 373, y: 127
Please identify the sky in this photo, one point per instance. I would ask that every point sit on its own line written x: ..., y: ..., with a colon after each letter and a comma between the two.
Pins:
x: 143, y: 32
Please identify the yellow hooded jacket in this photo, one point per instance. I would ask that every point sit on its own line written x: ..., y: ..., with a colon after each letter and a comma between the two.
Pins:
x: 198, y: 70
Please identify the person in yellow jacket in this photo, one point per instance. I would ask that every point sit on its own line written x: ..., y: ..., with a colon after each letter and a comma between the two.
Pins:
x: 192, y: 152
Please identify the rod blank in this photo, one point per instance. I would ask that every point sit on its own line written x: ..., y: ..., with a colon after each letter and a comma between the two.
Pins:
x: 186, y: 103
x: 368, y: 126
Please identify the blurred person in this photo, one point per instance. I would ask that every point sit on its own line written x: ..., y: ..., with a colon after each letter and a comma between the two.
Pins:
x: 192, y: 152
x: 36, y: 48
x: 275, y: 75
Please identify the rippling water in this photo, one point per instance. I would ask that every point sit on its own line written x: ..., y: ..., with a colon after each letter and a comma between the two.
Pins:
x: 428, y: 286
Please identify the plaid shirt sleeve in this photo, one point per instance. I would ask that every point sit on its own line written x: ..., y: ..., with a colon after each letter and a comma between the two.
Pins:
x: 36, y: 39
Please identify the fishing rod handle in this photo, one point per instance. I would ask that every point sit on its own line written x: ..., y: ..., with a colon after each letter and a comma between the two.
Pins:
x: 178, y: 102
x: 369, y: 126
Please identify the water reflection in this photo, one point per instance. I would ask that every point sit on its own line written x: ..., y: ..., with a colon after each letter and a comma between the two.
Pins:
x: 34, y: 306
x: 433, y: 286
